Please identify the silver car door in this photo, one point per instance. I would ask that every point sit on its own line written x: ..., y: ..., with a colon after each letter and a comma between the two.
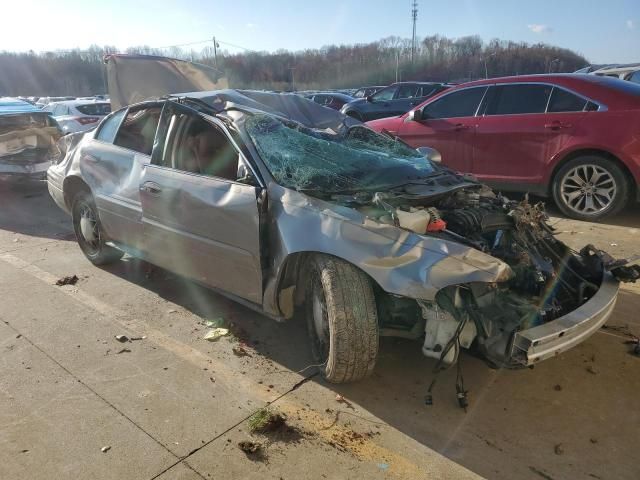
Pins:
x: 197, y: 219
x: 112, y: 164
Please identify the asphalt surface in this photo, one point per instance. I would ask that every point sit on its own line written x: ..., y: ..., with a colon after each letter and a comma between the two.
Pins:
x: 175, y: 406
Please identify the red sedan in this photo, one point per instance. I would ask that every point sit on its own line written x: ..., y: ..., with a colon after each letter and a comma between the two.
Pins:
x: 573, y: 137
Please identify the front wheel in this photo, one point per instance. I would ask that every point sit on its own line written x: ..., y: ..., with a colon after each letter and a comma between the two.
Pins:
x: 89, y: 233
x: 590, y: 188
x: 342, y: 319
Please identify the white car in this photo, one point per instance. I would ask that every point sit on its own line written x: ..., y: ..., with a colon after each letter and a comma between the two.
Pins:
x: 78, y: 115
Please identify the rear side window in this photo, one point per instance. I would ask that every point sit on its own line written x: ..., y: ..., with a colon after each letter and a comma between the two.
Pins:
x: 463, y: 103
x: 109, y: 127
x: 138, y: 130
x: 563, y: 101
x: 99, y: 109
x: 519, y: 99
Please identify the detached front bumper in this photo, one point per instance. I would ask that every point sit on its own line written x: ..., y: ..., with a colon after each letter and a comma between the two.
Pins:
x: 544, y: 341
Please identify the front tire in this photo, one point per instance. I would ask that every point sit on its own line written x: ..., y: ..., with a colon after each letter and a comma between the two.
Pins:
x: 89, y: 233
x: 591, y: 188
x: 342, y: 319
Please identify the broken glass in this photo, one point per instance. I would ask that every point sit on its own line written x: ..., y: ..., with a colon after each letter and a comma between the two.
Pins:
x: 356, y: 160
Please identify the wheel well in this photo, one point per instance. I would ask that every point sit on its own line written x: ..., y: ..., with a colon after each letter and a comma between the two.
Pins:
x: 595, y: 152
x: 291, y: 275
x: 71, y: 186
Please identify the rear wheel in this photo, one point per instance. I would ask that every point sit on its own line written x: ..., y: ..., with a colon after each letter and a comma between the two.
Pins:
x: 342, y: 319
x: 89, y: 233
x: 591, y: 188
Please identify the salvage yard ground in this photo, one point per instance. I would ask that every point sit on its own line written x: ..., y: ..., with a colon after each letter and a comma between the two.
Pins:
x: 174, y: 406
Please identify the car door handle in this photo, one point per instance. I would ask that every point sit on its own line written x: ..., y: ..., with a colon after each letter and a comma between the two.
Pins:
x: 556, y: 125
x: 461, y: 126
x: 151, y: 187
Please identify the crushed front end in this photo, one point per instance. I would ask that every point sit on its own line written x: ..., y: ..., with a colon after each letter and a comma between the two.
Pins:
x: 554, y: 299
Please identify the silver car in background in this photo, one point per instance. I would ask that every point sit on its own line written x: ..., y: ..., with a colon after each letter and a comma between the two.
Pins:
x: 78, y: 115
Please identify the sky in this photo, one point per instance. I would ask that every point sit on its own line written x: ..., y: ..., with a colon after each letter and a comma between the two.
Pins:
x: 604, y: 31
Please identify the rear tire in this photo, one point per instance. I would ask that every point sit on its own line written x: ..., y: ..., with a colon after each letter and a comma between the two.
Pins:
x: 591, y: 188
x: 342, y: 319
x: 89, y: 232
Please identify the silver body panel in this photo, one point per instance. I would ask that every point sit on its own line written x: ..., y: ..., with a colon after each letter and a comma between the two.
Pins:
x: 545, y: 341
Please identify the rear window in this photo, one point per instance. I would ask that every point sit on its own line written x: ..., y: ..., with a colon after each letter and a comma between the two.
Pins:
x: 100, y: 109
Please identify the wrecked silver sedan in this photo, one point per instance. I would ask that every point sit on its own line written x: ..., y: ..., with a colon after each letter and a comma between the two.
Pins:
x: 27, y: 140
x: 292, y: 208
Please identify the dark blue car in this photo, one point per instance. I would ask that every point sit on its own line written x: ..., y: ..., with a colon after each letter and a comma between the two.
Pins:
x: 396, y: 99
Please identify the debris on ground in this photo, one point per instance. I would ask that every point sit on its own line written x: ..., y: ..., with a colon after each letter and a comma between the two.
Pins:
x: 214, y: 323
x: 216, y: 333
x: 68, y: 280
x: 593, y: 440
x: 105, y: 449
x: 124, y: 350
x: 122, y: 338
x: 341, y: 399
x: 240, y: 351
x: 558, y: 449
x: 249, y: 447
x: 592, y: 370
x: 557, y: 387
x: 265, y: 421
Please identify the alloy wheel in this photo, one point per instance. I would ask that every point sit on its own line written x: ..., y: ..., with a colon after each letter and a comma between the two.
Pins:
x: 588, y: 189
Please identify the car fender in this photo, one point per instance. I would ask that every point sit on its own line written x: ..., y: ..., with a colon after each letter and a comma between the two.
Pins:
x: 399, y: 261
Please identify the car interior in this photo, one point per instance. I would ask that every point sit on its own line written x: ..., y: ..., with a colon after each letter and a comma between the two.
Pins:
x: 198, y: 147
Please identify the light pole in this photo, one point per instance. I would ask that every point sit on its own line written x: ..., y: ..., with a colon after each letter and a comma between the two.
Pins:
x: 484, y: 59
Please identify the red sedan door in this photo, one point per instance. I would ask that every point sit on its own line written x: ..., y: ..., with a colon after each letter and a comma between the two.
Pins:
x: 523, y: 127
x: 448, y: 124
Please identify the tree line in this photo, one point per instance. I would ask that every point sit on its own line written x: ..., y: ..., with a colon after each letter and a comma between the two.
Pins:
x: 382, y: 62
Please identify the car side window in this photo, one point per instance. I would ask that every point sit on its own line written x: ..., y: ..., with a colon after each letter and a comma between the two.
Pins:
x: 519, y: 99
x: 385, y: 94
x: 138, y: 129
x: 109, y: 127
x: 635, y: 77
x: 408, y: 91
x: 196, y: 146
x: 563, y: 101
x: 463, y: 103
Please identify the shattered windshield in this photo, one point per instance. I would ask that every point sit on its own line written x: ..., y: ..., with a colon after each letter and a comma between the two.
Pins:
x: 360, y: 159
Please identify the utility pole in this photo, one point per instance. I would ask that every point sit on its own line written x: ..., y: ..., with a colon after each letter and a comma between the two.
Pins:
x: 215, y: 52
x: 397, y: 64
x: 414, y: 16
x: 293, y: 80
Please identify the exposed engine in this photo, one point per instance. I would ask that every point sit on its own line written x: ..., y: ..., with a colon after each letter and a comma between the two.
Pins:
x: 549, y: 279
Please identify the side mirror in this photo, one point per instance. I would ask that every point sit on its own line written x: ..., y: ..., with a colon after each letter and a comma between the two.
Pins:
x: 414, y: 115
x: 369, y: 98
x: 430, y: 154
